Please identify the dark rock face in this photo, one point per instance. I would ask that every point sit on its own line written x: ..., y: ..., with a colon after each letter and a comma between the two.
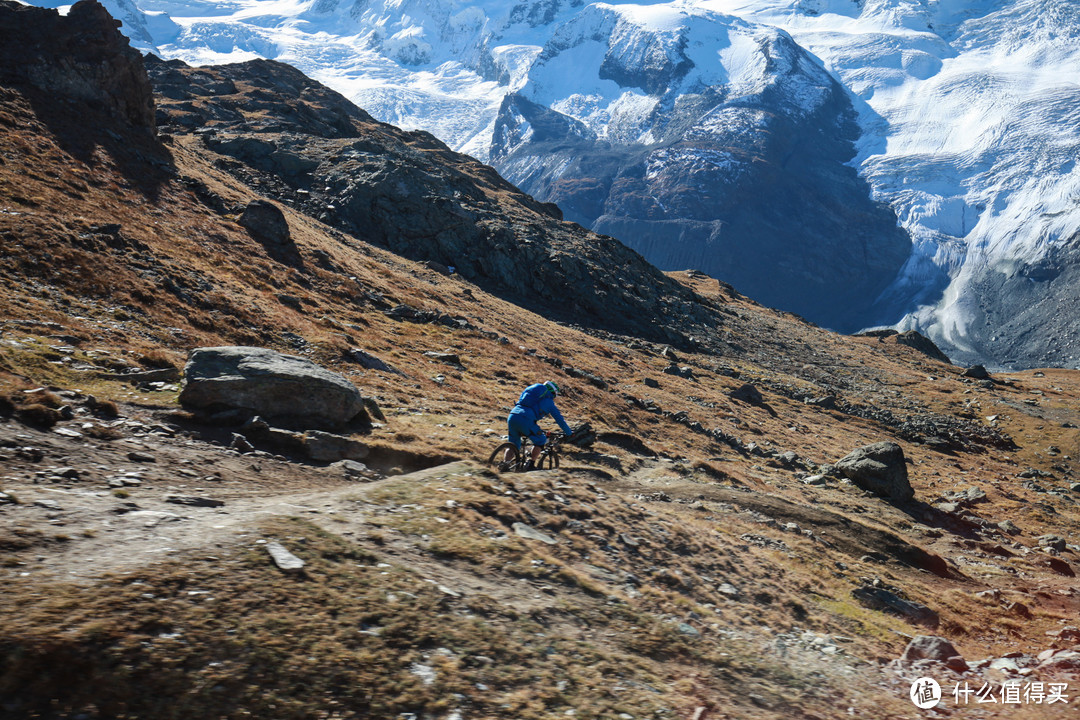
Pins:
x: 923, y: 344
x: 81, y: 56
x: 408, y: 192
x: 264, y: 382
x: 752, y: 189
x: 267, y: 224
x: 879, y: 468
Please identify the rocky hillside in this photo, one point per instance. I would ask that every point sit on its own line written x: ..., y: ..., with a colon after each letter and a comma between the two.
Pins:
x: 959, y: 118
x: 720, y: 551
x: 308, y: 147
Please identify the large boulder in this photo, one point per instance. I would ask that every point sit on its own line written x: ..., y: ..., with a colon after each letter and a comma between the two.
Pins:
x: 267, y: 223
x: 879, y: 468
x: 284, y: 388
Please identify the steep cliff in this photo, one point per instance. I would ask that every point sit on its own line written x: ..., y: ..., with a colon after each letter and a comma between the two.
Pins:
x: 79, y: 56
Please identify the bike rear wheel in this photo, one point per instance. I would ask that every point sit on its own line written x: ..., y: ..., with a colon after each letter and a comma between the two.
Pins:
x: 496, y: 460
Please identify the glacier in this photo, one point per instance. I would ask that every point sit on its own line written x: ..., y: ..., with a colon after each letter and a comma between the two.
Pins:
x: 968, y: 114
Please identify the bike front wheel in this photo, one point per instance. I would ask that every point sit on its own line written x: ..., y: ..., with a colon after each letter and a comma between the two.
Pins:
x: 505, y: 458
x: 550, y: 461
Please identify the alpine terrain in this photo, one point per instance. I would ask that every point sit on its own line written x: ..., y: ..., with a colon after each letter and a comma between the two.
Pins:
x: 257, y: 354
x: 859, y: 162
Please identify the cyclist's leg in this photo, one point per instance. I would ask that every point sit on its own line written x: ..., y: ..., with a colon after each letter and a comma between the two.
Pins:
x: 513, y: 433
x: 538, y: 439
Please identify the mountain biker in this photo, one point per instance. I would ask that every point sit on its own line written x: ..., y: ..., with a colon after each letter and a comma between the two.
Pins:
x: 536, y: 402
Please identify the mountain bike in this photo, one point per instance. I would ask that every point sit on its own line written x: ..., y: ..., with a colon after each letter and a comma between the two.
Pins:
x: 515, y: 461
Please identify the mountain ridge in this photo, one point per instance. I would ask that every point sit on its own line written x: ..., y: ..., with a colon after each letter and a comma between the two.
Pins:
x: 951, y: 100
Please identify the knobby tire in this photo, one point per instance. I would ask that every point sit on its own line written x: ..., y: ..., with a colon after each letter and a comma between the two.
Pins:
x: 496, y: 459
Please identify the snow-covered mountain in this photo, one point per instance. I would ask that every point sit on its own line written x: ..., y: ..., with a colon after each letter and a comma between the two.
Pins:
x: 723, y: 124
x: 705, y: 141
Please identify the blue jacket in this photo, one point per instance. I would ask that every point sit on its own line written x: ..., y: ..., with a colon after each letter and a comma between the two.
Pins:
x: 537, y: 402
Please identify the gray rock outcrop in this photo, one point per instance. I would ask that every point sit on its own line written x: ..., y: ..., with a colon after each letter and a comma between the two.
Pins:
x: 879, y: 468
x: 929, y: 647
x: 885, y: 601
x: 284, y: 388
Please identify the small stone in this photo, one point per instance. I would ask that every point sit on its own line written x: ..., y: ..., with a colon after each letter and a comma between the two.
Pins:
x: 67, y: 432
x: 1067, y: 661
x: 48, y: 504
x: 1008, y: 665
x: 929, y: 647
x: 1019, y: 610
x: 141, y: 457
x: 328, y: 447
x: 444, y: 357
x: 240, y: 443
x: 193, y: 501
x: 728, y: 589
x: 1061, y: 567
x: 352, y: 470
x: 284, y: 559
x: 369, y: 361
x: 124, y: 481
x: 1069, y: 633
x: 1052, y: 541
x: 1009, y: 527
x: 957, y: 664
x: 815, y: 480
x: 529, y: 533
x: 748, y: 394
x: 689, y: 630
